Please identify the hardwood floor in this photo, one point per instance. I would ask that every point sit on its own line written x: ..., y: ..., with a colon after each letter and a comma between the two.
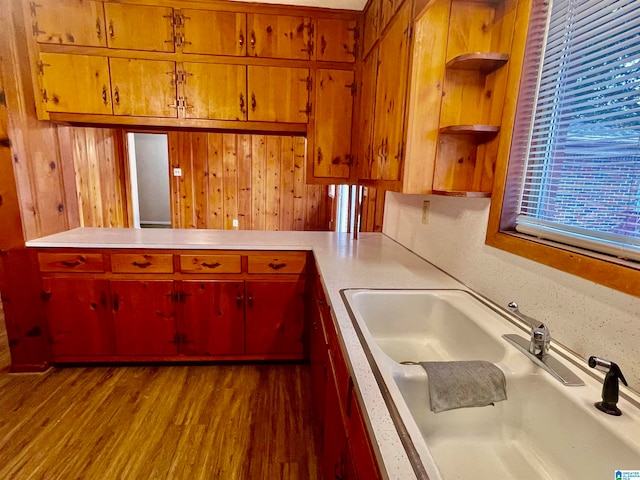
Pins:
x: 231, y: 422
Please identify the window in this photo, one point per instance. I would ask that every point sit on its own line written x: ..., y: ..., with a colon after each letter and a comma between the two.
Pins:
x: 571, y: 173
x: 581, y: 141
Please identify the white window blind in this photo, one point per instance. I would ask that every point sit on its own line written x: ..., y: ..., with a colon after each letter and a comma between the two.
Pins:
x: 578, y: 126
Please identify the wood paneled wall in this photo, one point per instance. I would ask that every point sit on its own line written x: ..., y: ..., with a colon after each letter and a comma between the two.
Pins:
x: 257, y: 179
x: 98, y: 158
x: 372, y: 210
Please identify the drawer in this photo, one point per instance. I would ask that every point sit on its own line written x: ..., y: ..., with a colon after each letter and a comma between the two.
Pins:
x: 276, y: 262
x: 141, y: 263
x: 70, y: 262
x: 210, y: 264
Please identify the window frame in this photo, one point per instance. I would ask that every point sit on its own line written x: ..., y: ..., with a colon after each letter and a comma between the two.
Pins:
x: 619, y: 275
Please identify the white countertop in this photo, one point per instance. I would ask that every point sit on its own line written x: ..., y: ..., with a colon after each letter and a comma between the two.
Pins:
x: 372, y: 261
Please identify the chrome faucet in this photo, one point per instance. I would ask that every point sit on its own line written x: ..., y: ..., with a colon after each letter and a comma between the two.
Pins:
x: 540, y: 334
x: 537, y: 348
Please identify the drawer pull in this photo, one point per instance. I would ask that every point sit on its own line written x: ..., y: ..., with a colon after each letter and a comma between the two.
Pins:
x: 141, y: 265
x: 73, y: 264
x: 211, y: 265
x: 277, y: 266
x: 239, y: 300
x: 250, y: 300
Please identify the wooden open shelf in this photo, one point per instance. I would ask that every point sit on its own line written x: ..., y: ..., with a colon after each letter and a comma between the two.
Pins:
x: 479, y: 133
x: 485, y: 62
x: 460, y: 193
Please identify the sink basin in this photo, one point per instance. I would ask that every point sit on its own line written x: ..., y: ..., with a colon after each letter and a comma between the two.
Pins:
x: 544, y: 430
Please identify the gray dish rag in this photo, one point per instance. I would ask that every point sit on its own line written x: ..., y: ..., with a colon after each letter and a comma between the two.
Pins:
x: 464, y: 384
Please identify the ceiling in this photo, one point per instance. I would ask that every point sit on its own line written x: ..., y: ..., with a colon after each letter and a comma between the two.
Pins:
x: 340, y: 4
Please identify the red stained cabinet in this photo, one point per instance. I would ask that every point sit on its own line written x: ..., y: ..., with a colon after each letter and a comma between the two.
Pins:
x: 144, y: 317
x: 275, y: 317
x: 158, y: 305
x: 212, y: 317
x: 79, y: 316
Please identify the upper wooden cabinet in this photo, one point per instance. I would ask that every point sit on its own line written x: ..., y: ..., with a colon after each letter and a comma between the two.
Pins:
x: 387, y: 9
x: 213, y: 32
x: 337, y: 40
x: 140, y: 27
x: 143, y: 87
x: 280, y: 36
x: 334, y: 99
x: 68, y: 22
x: 391, y: 90
x: 64, y: 76
x: 278, y: 94
x: 213, y: 90
x: 371, y: 26
x: 365, y: 156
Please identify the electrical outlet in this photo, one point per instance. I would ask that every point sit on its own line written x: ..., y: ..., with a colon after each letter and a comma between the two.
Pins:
x: 425, y: 212
x: 177, y: 172
x: 235, y: 223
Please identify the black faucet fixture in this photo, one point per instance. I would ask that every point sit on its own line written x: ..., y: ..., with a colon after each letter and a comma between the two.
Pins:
x: 610, y: 386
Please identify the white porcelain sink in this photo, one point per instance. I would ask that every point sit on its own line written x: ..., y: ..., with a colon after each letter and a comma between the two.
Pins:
x: 544, y: 430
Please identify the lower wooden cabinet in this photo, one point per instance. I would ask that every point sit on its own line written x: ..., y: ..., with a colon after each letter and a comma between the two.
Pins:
x: 347, y: 452
x: 144, y: 317
x: 79, y: 314
x: 156, y: 306
x: 275, y: 317
x: 213, y: 317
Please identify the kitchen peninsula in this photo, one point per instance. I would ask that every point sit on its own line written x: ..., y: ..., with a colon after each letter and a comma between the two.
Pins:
x: 373, y: 261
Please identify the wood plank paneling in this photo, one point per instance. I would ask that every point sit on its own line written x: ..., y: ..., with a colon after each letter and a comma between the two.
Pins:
x: 257, y: 180
x: 98, y: 161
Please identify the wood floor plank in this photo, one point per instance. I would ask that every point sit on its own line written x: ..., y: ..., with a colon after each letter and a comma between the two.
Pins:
x: 195, y: 422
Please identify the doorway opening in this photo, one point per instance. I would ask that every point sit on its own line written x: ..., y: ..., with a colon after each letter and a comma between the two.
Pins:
x: 149, y: 178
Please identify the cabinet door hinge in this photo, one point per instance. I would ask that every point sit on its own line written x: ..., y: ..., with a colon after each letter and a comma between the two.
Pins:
x: 41, y: 66
x: 3, y: 98
x: 36, y: 29
x: 45, y: 98
x: 308, y: 109
x: 181, y: 76
x: 309, y: 81
x: 32, y: 8
x: 45, y: 295
x: 354, y: 88
x: 180, y: 104
x: 409, y: 32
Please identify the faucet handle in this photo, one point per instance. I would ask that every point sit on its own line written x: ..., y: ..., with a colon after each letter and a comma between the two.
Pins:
x: 540, y: 334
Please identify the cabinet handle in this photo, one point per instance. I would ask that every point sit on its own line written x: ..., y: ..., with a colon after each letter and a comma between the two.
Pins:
x: 104, y: 94
x: 323, y: 45
x: 73, y: 264
x: 239, y: 300
x: 337, y: 475
x: 112, y: 33
x: 116, y: 302
x: 254, y: 103
x: 99, y: 28
x: 277, y: 266
x: 141, y: 265
x: 211, y: 265
x: 253, y: 39
x: 103, y: 299
x: 116, y: 96
x: 243, y: 109
x: 250, y: 300
x: 241, y: 39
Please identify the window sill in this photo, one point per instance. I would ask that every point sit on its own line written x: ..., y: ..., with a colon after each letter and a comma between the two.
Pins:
x: 611, y: 272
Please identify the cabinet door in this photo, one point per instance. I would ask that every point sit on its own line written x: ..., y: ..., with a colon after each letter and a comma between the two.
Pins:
x: 367, y: 159
x: 139, y: 27
x: 143, y: 87
x: 362, y: 457
x: 275, y: 317
x: 76, y: 83
x: 213, y: 317
x: 216, y: 91
x: 391, y: 93
x: 144, y: 317
x: 214, y: 33
x: 279, y: 36
x: 79, y: 317
x: 387, y: 9
x: 335, y: 433
x: 318, y: 356
x: 336, y: 40
x: 278, y: 94
x: 68, y: 22
x: 334, y: 112
x: 371, y: 23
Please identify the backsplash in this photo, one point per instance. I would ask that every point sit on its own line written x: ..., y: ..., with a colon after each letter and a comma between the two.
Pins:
x: 586, y: 317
